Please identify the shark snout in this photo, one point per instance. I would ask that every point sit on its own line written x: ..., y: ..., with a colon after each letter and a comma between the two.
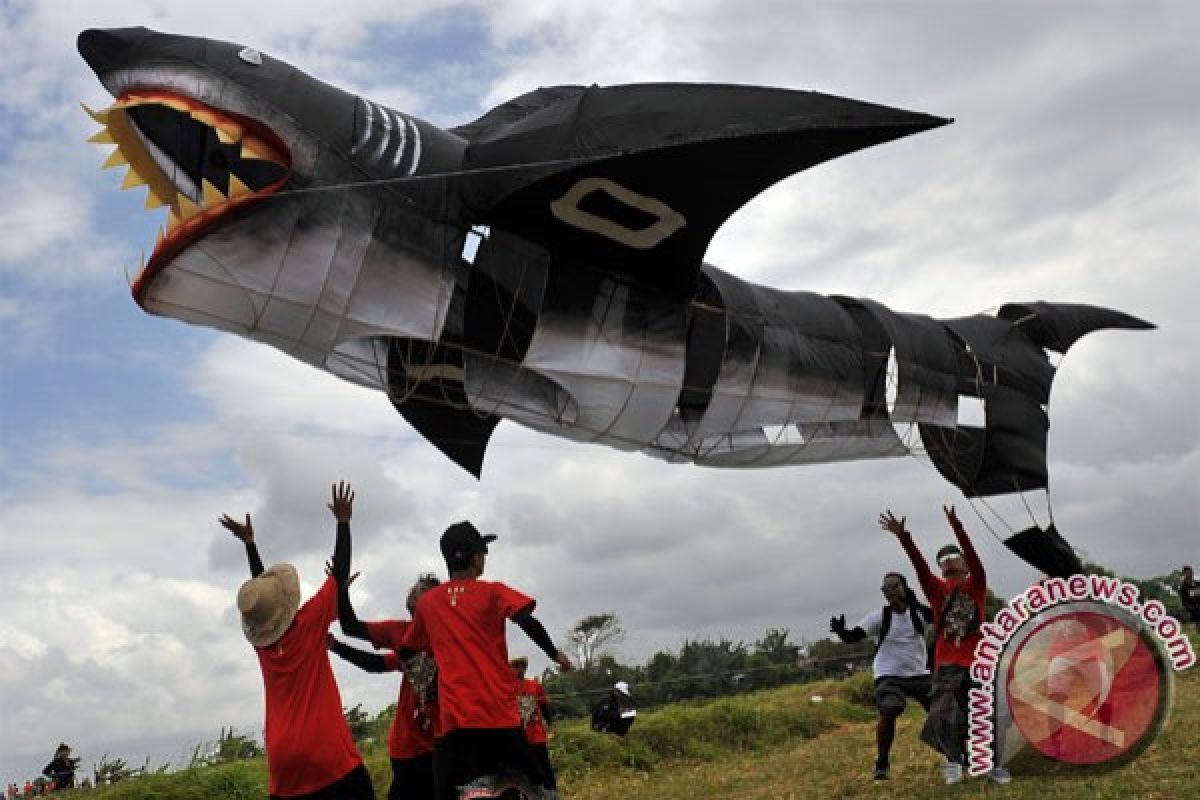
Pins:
x: 107, y: 49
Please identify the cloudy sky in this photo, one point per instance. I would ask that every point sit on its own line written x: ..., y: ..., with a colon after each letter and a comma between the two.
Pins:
x: 1071, y: 173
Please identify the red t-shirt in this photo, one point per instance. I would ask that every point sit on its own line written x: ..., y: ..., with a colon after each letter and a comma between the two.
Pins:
x: 936, y: 589
x: 308, y: 742
x: 531, y: 691
x: 462, y: 623
x: 413, y: 729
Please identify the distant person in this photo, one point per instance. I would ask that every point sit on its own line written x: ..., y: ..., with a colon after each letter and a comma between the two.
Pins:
x: 901, y: 665
x: 28, y: 788
x: 414, y: 727
x: 1189, y: 595
x: 310, y: 753
x: 614, y: 713
x: 958, y: 600
x: 462, y: 622
x: 61, y: 769
x: 534, y: 707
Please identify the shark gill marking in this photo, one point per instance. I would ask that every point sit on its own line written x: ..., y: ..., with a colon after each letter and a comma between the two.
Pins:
x: 386, y: 131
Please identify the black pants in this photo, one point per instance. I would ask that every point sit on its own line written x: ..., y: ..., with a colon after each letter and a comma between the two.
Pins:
x: 412, y: 778
x: 541, y: 754
x: 463, y: 755
x: 354, y: 785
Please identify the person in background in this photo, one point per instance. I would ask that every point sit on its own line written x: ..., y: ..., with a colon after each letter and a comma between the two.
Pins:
x: 1189, y: 595
x: 534, y: 708
x: 414, y: 726
x: 901, y: 665
x: 614, y: 713
x: 310, y: 752
x: 61, y: 769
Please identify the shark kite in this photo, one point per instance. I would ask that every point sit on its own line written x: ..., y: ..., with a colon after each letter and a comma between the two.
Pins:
x: 544, y: 264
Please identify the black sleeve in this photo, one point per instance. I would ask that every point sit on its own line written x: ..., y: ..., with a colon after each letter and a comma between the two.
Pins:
x: 341, y: 554
x: 536, y: 632
x: 256, y: 565
x: 351, y: 624
x: 853, y: 635
x: 369, y: 662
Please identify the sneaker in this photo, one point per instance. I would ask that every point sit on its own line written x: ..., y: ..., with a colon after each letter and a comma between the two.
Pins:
x: 881, y: 771
x: 952, y: 772
x: 1000, y: 775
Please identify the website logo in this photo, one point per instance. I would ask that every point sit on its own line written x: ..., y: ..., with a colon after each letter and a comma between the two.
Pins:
x: 1073, y: 672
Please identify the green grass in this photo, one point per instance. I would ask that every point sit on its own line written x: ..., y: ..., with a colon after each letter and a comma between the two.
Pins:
x: 774, y: 744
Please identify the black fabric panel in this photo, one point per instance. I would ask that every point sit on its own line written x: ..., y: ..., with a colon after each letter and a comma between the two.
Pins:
x: 1057, y: 326
x: 504, y: 297
x: 876, y: 348
x: 956, y: 453
x: 1045, y: 550
x: 1015, y: 444
x: 438, y: 407
x: 706, y: 337
x: 1007, y: 356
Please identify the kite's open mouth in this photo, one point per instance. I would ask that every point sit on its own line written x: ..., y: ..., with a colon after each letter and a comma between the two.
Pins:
x: 202, y: 163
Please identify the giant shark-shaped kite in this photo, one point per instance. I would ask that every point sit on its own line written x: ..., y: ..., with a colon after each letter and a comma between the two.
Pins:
x: 545, y: 264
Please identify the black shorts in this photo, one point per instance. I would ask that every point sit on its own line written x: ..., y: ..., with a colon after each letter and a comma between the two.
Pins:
x: 412, y: 778
x: 891, y: 691
x: 354, y: 785
x: 463, y: 755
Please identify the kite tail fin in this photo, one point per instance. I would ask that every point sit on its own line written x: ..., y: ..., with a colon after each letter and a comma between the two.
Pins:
x: 1057, y: 326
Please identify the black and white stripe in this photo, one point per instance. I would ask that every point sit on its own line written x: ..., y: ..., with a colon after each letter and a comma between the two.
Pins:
x: 387, y: 139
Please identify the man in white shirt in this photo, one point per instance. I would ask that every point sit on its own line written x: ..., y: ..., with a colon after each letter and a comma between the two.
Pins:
x: 901, y: 663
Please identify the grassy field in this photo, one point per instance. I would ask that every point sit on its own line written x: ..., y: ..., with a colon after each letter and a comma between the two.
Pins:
x: 774, y: 744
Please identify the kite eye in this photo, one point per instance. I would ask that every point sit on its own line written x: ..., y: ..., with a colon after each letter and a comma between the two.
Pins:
x: 250, y: 56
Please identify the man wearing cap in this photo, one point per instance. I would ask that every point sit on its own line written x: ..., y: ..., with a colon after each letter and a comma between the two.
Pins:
x: 534, y: 708
x: 958, y: 600
x: 310, y: 753
x: 461, y: 622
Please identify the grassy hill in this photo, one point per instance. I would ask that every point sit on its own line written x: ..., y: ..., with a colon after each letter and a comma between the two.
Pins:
x: 770, y: 744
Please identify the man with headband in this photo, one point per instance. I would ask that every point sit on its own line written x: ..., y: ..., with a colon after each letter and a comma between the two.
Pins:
x: 958, y: 600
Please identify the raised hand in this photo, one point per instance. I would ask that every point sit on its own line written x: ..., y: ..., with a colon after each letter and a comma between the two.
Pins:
x: 889, y: 523
x: 951, y: 517
x: 837, y: 624
x: 244, y: 532
x: 342, y: 506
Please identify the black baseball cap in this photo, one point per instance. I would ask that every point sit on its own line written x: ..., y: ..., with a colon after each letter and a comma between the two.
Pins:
x: 462, y: 540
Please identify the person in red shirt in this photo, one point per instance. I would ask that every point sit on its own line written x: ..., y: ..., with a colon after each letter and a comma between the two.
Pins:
x: 534, y: 708
x: 310, y: 753
x: 412, y: 732
x: 462, y: 623
x: 958, y: 600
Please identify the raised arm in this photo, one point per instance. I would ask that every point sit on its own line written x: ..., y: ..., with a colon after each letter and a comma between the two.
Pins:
x: 974, y: 565
x: 342, y: 509
x: 889, y: 523
x: 245, y: 532
x: 368, y: 662
x: 538, y: 635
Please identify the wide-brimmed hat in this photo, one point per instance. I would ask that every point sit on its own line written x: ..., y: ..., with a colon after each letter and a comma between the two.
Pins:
x: 268, y: 604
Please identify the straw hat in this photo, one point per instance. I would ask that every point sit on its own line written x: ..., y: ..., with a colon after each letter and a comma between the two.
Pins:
x: 268, y: 604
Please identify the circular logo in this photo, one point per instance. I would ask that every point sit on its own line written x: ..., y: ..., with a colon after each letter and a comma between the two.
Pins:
x: 1087, y: 686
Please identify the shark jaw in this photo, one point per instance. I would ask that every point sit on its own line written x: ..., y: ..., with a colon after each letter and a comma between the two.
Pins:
x: 203, y: 164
